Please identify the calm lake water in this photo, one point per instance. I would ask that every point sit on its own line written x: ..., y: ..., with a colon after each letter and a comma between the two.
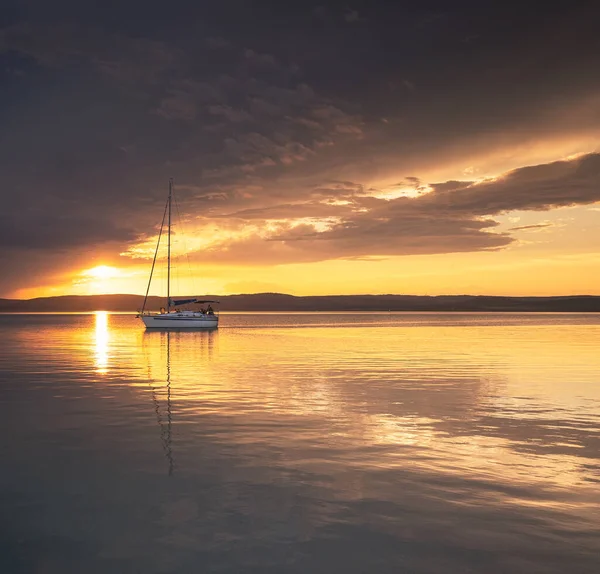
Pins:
x: 317, y: 443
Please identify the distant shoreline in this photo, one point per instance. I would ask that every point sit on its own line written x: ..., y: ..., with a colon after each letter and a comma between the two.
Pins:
x: 277, y: 302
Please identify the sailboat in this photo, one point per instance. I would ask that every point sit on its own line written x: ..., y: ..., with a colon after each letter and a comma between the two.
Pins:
x: 171, y: 316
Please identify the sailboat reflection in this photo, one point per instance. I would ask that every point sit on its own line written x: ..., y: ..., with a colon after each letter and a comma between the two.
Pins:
x: 161, y: 347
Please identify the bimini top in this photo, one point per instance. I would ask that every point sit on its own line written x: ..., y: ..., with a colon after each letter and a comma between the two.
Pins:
x: 188, y: 301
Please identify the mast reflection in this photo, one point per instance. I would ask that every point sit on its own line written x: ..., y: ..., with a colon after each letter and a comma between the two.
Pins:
x: 165, y: 428
x: 187, y: 349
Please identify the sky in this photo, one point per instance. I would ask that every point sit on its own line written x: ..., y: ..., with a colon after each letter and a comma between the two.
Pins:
x: 316, y: 147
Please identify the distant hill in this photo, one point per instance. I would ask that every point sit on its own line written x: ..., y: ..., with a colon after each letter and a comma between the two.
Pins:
x: 281, y: 302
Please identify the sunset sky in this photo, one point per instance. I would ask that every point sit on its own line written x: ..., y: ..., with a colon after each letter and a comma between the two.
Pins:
x: 316, y: 147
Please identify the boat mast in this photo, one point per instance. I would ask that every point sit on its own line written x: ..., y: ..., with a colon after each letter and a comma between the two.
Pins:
x: 169, y: 248
x: 162, y: 224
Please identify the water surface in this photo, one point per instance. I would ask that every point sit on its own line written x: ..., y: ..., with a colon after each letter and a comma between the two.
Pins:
x: 426, y: 443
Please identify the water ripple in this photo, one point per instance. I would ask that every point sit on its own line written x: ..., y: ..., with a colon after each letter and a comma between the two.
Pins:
x: 301, y: 443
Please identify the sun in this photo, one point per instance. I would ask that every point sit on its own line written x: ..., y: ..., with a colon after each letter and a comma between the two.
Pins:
x: 102, y: 272
x: 105, y: 279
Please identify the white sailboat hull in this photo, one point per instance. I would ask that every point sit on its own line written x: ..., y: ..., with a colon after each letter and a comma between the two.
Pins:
x: 180, y: 321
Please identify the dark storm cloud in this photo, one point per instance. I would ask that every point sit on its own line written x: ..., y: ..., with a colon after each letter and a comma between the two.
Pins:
x: 58, y: 232
x: 539, y: 187
x: 382, y: 234
x: 265, y: 110
x: 128, y: 60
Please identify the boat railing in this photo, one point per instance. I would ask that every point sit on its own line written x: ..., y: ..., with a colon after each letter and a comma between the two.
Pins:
x: 140, y: 313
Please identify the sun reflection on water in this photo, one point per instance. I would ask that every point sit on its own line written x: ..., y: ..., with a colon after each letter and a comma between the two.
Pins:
x: 101, y: 342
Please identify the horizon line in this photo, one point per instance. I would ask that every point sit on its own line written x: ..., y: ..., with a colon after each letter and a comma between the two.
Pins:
x: 307, y: 296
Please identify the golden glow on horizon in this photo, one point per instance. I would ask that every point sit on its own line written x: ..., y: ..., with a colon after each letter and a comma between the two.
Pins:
x: 524, y: 270
x: 561, y: 258
x: 555, y: 252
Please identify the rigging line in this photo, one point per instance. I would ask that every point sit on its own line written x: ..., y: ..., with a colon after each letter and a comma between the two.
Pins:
x: 155, y: 254
x: 187, y: 254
